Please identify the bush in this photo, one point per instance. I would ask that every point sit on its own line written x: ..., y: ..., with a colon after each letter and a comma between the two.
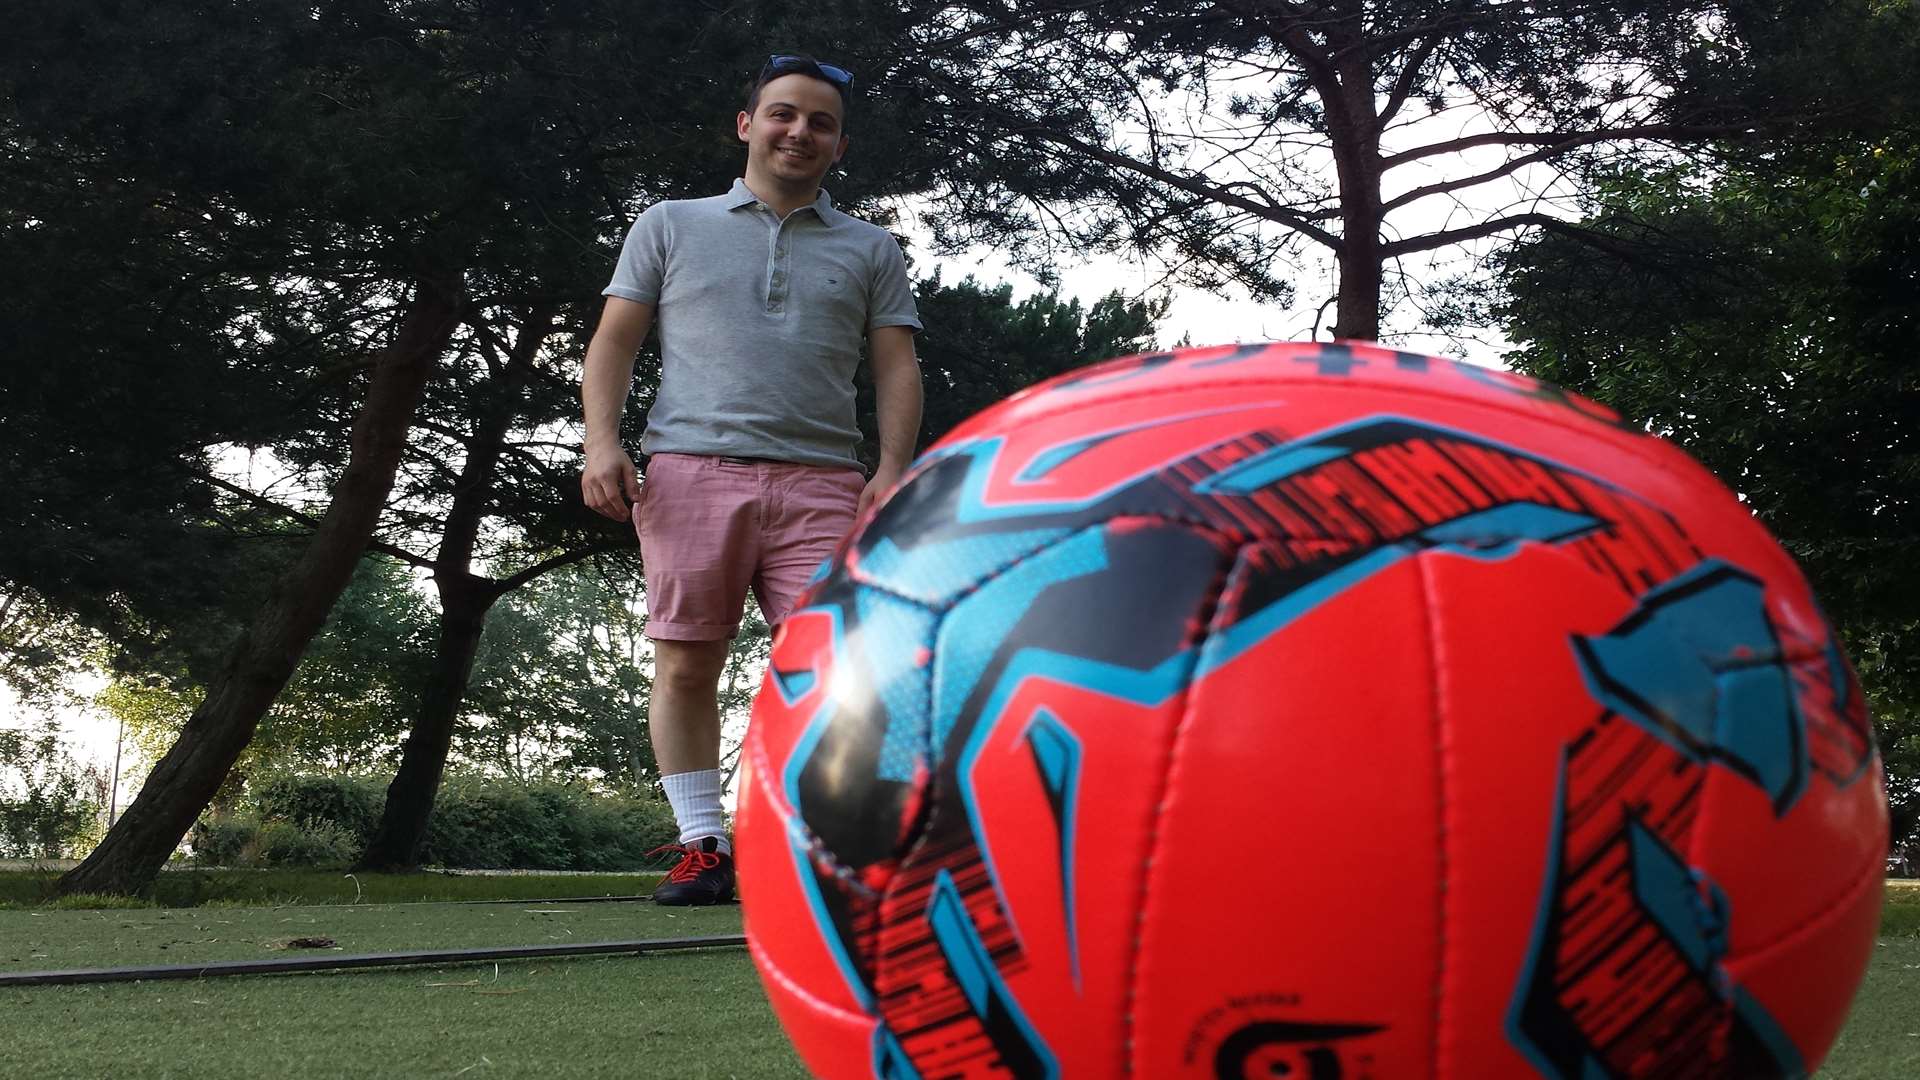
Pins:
x: 350, y: 804
x: 49, y: 803
x: 481, y: 823
x: 321, y: 844
x: 478, y: 823
x: 614, y: 833
x: 225, y: 842
x: 493, y: 824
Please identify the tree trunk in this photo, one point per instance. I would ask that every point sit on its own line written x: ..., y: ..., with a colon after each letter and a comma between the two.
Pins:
x: 464, y: 603
x: 1353, y: 127
x: 395, y: 846
x: 1357, y: 313
x: 263, y: 659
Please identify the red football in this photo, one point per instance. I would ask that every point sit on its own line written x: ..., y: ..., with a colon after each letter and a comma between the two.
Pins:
x: 1316, y: 711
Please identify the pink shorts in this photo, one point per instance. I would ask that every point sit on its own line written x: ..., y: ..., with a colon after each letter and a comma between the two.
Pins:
x: 713, y: 527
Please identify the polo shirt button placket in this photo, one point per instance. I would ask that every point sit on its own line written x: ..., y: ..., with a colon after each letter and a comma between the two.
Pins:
x: 777, y: 271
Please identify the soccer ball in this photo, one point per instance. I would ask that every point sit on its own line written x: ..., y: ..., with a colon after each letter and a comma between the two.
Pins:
x: 1314, y: 711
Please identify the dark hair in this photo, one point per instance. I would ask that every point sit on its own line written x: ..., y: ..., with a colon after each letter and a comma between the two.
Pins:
x: 780, y: 64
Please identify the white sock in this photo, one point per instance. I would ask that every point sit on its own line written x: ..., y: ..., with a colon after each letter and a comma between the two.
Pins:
x: 696, y: 806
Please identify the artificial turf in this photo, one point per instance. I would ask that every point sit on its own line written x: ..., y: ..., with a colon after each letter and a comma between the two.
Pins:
x: 695, y: 1014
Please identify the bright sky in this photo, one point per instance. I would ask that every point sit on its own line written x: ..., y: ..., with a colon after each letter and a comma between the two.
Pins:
x: 1209, y: 319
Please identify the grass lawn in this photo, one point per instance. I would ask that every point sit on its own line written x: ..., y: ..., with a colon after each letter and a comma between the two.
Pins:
x: 193, y: 887
x: 563, y: 1018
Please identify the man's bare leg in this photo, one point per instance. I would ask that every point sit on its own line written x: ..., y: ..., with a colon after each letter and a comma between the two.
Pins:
x: 684, y: 719
x: 684, y: 713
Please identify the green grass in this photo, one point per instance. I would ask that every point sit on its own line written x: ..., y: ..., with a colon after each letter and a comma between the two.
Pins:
x: 1901, y: 916
x: 193, y: 888
x: 59, y: 940
x: 565, y: 1018
x: 691, y: 1015
x: 1882, y: 1037
x: 561, y: 1018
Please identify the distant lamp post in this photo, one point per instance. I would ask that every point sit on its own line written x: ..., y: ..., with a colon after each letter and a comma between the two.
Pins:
x: 113, y: 791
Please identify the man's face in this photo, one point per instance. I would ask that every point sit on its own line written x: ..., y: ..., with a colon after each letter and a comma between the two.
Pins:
x: 794, y: 136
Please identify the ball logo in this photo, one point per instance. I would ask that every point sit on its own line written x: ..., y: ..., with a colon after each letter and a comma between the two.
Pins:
x: 1268, y: 1049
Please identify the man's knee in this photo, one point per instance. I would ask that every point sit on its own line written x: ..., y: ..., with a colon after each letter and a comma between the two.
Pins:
x: 689, y: 666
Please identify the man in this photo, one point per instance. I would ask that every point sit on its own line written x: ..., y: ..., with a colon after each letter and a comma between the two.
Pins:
x: 761, y: 297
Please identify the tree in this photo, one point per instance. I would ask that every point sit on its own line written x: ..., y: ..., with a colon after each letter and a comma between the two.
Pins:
x: 503, y: 145
x: 122, y: 374
x: 1228, y: 136
x: 1765, y: 315
x: 376, y: 149
x: 981, y: 346
x: 560, y: 681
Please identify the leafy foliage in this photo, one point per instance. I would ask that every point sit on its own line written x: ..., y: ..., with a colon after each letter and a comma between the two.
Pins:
x: 50, y: 805
x: 1766, y: 317
x: 42, y: 649
x: 325, y: 819
x: 981, y: 346
x: 348, y: 701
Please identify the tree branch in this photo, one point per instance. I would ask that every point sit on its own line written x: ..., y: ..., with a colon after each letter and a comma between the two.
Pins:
x: 1594, y: 238
x: 1561, y: 141
x: 264, y: 503
x: 1403, y: 86
x: 1442, y: 188
x: 565, y: 558
x: 1277, y: 214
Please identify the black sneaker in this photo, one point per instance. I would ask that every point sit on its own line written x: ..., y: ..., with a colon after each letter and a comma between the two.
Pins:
x: 704, y: 875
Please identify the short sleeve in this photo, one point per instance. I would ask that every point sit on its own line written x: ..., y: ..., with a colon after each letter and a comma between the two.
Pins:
x: 890, y: 297
x: 643, y: 259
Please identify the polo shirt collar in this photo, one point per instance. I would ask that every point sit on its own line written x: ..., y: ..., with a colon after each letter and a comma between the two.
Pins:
x: 822, y: 205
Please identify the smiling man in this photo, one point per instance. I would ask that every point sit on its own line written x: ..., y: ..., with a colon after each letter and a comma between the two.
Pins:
x: 761, y: 297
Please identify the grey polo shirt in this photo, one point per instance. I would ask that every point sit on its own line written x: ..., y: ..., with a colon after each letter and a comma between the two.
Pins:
x: 760, y: 323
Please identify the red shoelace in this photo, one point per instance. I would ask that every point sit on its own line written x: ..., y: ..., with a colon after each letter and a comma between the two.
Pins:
x: 692, y: 861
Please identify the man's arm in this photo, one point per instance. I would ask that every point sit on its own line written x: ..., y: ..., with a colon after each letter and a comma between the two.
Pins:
x: 609, y: 483
x: 896, y: 388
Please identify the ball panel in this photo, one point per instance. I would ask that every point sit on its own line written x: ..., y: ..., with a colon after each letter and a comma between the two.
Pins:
x: 783, y: 900
x: 1815, y: 852
x: 1029, y: 669
x: 1806, y: 980
x: 1061, y: 815
x: 1295, y: 858
x: 1511, y: 698
x: 831, y: 1041
x: 1311, y: 367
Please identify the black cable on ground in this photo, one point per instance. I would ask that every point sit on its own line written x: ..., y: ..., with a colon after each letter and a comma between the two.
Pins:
x: 366, y: 960
x: 557, y: 900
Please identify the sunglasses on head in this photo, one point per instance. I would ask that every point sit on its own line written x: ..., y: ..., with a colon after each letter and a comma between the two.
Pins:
x: 785, y: 63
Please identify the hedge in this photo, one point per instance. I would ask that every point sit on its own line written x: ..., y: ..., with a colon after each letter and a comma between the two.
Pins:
x: 292, y: 819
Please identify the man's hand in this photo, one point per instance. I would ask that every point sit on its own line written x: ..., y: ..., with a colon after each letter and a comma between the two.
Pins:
x: 896, y: 389
x: 885, y: 477
x: 609, y: 483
